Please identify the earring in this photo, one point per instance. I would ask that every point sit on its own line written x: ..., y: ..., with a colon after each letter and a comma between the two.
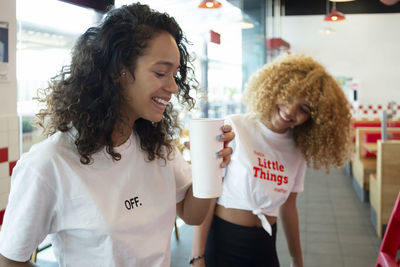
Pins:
x: 123, y: 73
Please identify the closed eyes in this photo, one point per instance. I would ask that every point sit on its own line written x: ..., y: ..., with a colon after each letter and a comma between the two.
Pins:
x: 159, y: 74
x: 305, y: 109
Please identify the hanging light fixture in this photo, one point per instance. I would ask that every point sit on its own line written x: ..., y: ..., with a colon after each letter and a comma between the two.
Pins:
x: 334, y: 15
x: 245, y: 22
x: 210, y: 4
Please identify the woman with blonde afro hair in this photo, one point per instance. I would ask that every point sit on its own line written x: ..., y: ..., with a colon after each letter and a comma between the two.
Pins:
x: 324, y: 138
x: 298, y: 117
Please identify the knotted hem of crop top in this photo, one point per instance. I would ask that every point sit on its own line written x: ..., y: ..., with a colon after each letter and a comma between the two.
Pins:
x: 265, y: 224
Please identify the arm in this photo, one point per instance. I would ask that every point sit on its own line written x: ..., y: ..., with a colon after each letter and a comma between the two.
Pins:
x: 4, y: 262
x: 290, y: 223
x: 200, y: 234
x: 193, y: 210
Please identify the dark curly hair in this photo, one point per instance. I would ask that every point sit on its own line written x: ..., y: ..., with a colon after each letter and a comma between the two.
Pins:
x: 87, y: 96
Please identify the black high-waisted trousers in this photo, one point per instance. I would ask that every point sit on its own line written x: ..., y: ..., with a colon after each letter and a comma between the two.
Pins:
x: 232, y: 245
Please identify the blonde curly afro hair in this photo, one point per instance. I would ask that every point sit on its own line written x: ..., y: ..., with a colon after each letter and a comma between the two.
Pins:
x: 325, y: 138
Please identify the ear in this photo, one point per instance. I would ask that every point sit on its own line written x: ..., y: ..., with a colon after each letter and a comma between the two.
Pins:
x: 123, y: 72
x: 123, y: 75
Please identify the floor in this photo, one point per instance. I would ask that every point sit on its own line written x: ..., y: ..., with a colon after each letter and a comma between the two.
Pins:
x: 335, y: 227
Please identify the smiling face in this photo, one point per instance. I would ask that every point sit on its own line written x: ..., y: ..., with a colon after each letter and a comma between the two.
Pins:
x: 153, y: 84
x: 288, y: 114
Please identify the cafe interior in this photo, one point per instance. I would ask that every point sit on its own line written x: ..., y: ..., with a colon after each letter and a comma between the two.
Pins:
x: 349, y: 217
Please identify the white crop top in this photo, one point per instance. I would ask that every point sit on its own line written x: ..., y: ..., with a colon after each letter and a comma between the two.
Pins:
x: 265, y: 168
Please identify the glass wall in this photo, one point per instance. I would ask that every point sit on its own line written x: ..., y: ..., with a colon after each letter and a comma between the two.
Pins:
x: 46, y: 34
x: 221, y: 68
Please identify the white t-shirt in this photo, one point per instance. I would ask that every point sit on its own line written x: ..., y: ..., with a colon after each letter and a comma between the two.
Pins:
x: 108, y: 213
x: 265, y: 168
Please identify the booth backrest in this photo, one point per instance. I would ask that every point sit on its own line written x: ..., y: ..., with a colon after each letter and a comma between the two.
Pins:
x: 373, y: 137
x: 372, y: 123
x: 394, y: 133
x: 388, y: 173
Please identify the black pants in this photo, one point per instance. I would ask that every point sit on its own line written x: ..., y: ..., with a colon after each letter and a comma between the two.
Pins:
x: 232, y: 245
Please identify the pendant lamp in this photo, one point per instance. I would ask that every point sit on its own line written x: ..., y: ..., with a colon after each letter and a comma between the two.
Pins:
x: 210, y: 4
x: 245, y: 22
x: 334, y: 15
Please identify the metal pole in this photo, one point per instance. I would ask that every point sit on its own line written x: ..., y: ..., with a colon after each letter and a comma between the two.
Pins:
x: 204, y: 80
x: 384, y: 126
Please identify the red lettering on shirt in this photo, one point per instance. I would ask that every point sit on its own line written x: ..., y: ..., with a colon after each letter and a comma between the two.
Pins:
x: 258, y: 153
x: 264, y: 168
x: 280, y: 190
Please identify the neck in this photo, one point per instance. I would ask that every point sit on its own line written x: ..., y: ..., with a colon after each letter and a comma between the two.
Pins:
x: 121, y: 133
x: 119, y: 138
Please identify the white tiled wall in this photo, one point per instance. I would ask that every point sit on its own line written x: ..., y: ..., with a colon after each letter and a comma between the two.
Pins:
x: 374, y: 111
x: 9, y: 154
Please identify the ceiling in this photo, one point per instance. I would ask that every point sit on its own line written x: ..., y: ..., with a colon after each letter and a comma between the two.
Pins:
x: 318, y: 7
x: 292, y: 7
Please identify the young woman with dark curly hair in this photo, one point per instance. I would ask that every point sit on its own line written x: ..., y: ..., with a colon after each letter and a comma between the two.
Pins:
x: 108, y: 181
x: 299, y: 117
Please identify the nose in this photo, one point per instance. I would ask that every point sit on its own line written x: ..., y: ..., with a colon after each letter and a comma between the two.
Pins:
x: 291, y: 109
x: 172, y: 87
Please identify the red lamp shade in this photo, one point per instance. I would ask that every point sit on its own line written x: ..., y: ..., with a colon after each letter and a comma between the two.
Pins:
x: 210, y: 4
x: 334, y: 15
x: 389, y: 2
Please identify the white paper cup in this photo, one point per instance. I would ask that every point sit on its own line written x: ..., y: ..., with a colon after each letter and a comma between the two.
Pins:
x: 206, y: 170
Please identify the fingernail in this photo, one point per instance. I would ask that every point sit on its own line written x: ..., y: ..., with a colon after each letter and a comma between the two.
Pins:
x: 224, y: 128
x: 220, y: 137
x: 185, y: 143
x: 217, y: 154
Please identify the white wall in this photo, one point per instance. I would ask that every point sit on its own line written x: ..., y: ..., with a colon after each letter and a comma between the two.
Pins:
x: 9, y: 123
x: 365, y: 47
x: 8, y: 90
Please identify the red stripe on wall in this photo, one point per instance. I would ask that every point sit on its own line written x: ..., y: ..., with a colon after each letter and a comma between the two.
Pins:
x: 3, y: 154
x: 11, y: 165
x: 1, y: 216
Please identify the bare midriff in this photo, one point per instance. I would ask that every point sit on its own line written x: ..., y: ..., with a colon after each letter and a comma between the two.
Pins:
x: 241, y: 217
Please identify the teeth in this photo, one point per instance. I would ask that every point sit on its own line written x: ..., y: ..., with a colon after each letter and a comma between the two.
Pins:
x: 284, y: 116
x: 160, y: 100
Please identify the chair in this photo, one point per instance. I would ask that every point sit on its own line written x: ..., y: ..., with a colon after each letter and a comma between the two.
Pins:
x: 39, y: 249
x: 391, y: 240
x: 176, y: 231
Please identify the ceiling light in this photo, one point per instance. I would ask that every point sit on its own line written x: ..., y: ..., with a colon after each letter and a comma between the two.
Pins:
x: 334, y: 15
x: 246, y: 24
x: 210, y: 4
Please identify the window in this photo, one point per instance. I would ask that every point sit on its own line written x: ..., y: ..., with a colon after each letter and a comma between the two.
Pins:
x: 47, y: 30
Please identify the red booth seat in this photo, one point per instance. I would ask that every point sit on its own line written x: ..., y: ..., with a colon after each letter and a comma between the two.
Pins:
x: 374, y: 123
x: 373, y: 138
